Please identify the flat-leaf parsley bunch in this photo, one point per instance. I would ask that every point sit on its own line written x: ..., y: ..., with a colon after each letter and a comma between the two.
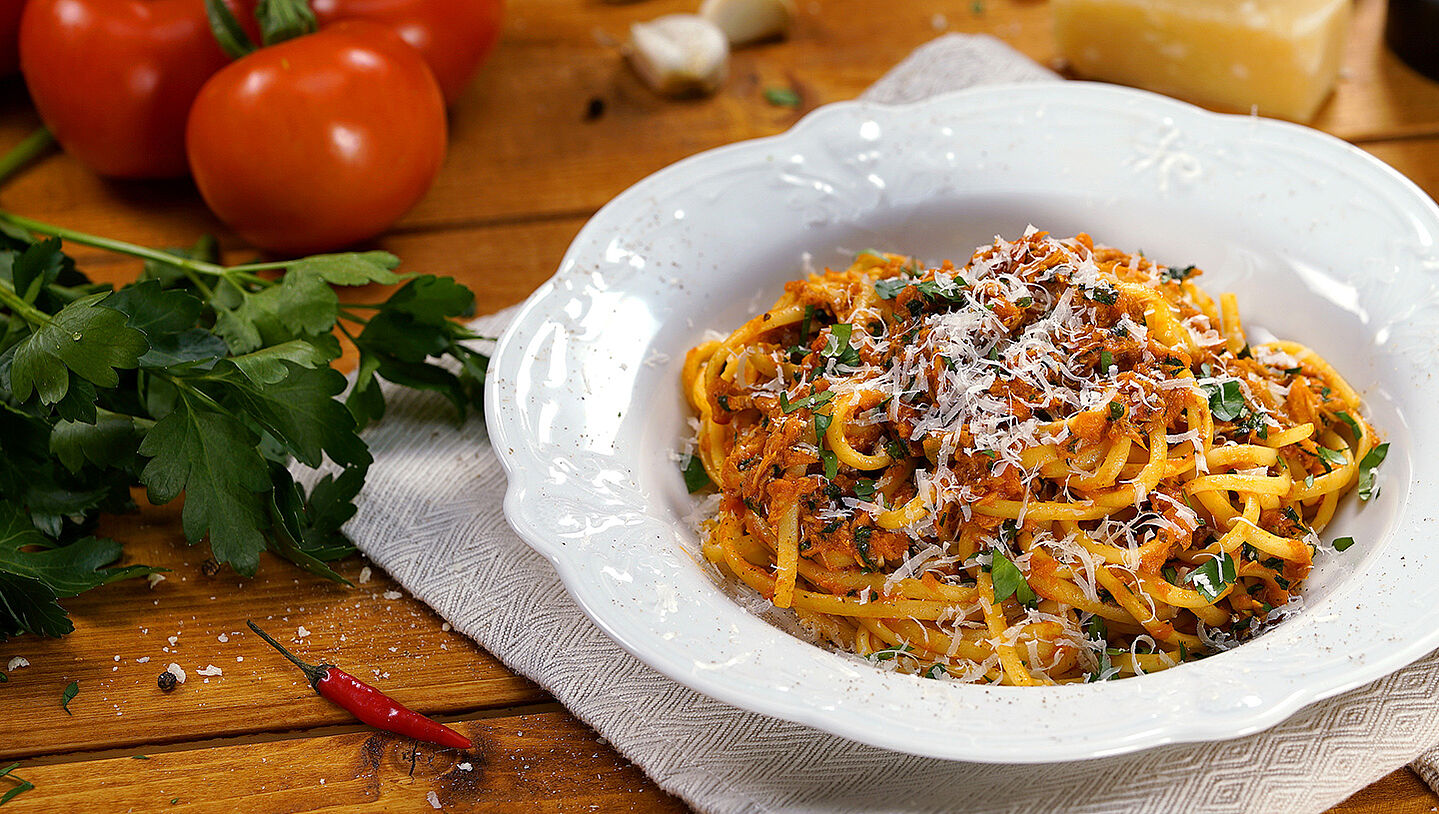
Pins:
x: 201, y: 379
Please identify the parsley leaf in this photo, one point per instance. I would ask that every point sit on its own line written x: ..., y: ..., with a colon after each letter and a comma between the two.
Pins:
x: 888, y: 289
x: 1226, y: 401
x: 1367, y: 468
x: 67, y: 695
x: 35, y: 572
x: 85, y: 337
x: 1353, y: 425
x: 213, y: 458
x: 1343, y: 543
x: 864, y: 488
x: 890, y: 652
x: 1009, y: 581
x: 1330, y: 457
x: 1214, y: 576
x: 696, y: 478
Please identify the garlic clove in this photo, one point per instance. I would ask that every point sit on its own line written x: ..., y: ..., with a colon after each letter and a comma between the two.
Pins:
x: 747, y: 21
x: 679, y: 54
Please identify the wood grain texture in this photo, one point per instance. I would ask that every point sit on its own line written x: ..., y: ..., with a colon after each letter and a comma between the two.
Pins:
x: 375, y: 632
x: 546, y: 762
x: 525, y: 169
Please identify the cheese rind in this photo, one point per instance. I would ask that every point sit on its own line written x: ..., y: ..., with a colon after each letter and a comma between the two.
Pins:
x: 1281, y: 56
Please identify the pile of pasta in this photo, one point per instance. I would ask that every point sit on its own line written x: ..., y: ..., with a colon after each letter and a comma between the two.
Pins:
x: 1057, y: 463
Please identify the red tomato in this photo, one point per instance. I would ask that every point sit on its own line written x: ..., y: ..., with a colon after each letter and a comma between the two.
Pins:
x: 113, y: 79
x: 454, y: 36
x: 10, y: 35
x: 320, y: 141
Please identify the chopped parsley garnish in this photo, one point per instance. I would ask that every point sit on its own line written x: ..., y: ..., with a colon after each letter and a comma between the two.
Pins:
x: 1104, y: 295
x: 1170, y: 574
x: 890, y: 652
x: 1024, y: 302
x: 1009, y: 581
x: 864, y: 488
x: 1293, y: 371
x: 936, y: 671
x: 1226, y: 401
x: 67, y: 695
x: 890, y: 288
x: 696, y: 478
x: 1106, y: 361
x: 1116, y: 411
x: 936, y: 292
x: 831, y: 463
x: 804, y: 323
x: 1343, y: 543
x: 895, y: 449
x: 1353, y: 425
x: 861, y: 546
x: 1371, y: 462
x: 1213, y: 577
x: 1174, y: 274
x: 1330, y: 457
x: 813, y: 400
x: 839, y: 348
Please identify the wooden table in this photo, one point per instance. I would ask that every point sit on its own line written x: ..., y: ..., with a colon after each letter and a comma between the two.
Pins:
x: 528, y: 163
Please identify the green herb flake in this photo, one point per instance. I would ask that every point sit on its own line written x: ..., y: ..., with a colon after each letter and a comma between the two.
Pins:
x: 1214, y: 576
x: 861, y: 546
x: 696, y: 478
x: 1226, y: 401
x: 831, y: 463
x: 1353, y: 425
x: 1009, y: 581
x: 864, y: 488
x: 890, y: 652
x: 889, y: 289
x: 1330, y: 457
x: 1343, y: 543
x: 1176, y: 274
x: 1106, y: 361
x: 67, y: 695
x: 1367, y: 468
x: 936, y: 671
x: 782, y: 97
x: 1116, y: 411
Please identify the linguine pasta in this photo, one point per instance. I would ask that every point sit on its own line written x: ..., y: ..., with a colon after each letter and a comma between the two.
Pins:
x: 1058, y: 463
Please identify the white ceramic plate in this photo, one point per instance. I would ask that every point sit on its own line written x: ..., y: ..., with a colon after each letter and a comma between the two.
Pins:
x: 1322, y: 243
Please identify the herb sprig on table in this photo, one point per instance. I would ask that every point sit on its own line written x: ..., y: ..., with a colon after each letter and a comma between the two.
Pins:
x: 197, y: 379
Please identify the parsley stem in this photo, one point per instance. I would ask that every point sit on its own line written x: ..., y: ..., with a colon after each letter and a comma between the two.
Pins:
x: 29, y: 148
x: 117, y: 246
x: 20, y: 306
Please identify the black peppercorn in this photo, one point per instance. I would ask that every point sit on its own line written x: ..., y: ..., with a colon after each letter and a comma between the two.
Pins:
x: 167, y: 681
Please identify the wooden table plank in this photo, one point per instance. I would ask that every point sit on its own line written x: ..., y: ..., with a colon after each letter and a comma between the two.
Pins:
x: 557, y: 55
x: 382, y: 636
x: 545, y: 762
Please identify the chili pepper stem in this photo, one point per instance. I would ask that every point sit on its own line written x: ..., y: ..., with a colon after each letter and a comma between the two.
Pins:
x: 313, y: 673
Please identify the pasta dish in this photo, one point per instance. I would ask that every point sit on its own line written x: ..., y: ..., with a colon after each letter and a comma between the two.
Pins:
x: 1057, y: 463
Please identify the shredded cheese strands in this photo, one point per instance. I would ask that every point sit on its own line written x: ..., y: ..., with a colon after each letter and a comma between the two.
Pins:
x: 1153, y: 483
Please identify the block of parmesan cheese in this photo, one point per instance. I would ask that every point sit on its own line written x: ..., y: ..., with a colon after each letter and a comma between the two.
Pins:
x: 1279, y: 55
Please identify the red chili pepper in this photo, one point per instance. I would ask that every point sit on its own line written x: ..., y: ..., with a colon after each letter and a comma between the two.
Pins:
x: 369, y: 704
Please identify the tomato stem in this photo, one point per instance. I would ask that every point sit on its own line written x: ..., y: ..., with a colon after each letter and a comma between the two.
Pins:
x: 29, y: 148
x: 228, y: 32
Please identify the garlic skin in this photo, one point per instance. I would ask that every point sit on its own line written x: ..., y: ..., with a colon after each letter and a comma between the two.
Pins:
x: 679, y: 55
x: 749, y: 21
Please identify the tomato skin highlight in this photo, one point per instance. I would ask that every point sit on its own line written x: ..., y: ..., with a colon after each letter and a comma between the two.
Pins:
x: 113, y: 79
x: 454, y: 36
x: 318, y: 142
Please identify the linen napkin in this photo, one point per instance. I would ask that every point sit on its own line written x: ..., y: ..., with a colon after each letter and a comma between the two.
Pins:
x: 430, y: 515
